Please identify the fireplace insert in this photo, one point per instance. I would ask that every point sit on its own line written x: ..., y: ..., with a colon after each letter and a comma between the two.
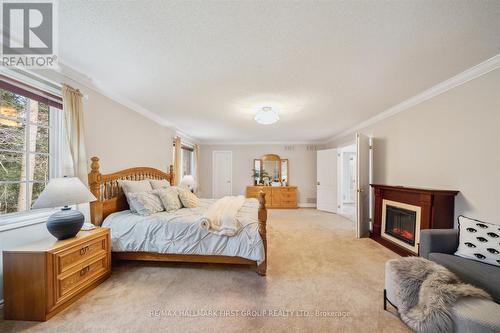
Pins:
x: 400, y: 223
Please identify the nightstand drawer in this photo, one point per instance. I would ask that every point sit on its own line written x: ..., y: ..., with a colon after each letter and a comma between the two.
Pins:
x: 84, y: 274
x: 67, y: 259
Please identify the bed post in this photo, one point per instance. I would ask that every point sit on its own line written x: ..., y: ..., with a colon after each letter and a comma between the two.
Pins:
x: 95, y: 188
x: 262, y: 268
x: 172, y: 174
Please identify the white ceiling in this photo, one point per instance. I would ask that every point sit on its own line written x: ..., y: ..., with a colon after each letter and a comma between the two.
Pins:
x: 205, y: 66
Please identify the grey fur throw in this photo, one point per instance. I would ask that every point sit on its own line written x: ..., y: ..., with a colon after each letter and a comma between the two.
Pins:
x: 427, y: 292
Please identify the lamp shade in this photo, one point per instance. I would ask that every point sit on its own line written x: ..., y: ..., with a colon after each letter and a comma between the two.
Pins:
x: 187, y: 180
x: 63, y: 192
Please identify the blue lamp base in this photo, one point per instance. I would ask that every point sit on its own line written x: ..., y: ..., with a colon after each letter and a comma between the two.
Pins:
x: 65, y: 223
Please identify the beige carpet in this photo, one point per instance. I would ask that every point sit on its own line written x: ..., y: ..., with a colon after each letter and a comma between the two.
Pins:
x: 315, y: 264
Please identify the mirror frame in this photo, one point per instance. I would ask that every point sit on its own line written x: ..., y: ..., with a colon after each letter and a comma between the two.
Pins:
x: 274, y: 157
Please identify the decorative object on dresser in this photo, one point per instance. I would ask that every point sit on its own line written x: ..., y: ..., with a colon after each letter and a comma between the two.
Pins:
x: 401, y: 212
x: 111, y: 200
x: 64, y: 192
x: 276, y: 196
x: 43, y: 278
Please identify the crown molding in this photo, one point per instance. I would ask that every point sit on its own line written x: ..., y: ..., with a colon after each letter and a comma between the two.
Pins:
x: 249, y: 143
x: 470, y: 74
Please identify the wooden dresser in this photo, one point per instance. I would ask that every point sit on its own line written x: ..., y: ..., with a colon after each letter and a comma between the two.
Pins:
x: 276, y: 196
x: 43, y: 278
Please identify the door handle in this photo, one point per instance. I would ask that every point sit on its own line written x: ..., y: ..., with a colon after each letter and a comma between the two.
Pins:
x: 360, y: 190
x: 319, y: 183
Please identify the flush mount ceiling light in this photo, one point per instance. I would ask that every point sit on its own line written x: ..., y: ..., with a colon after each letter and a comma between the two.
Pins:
x: 266, y: 116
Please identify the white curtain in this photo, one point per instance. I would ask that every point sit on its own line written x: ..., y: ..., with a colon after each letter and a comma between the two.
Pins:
x: 177, y: 161
x: 75, y: 133
x: 197, y: 168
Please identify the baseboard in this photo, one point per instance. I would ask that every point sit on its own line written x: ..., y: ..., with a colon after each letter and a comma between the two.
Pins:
x: 306, y: 205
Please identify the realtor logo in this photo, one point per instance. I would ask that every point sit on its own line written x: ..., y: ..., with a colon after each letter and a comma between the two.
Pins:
x: 28, y: 30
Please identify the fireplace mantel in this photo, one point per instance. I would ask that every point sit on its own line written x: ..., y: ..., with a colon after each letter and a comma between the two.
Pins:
x: 436, y: 209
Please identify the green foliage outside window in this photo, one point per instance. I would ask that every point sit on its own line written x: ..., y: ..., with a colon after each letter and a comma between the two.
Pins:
x: 24, y: 149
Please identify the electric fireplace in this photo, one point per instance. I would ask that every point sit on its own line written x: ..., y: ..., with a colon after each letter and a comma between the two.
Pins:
x: 401, y: 212
x: 401, y: 224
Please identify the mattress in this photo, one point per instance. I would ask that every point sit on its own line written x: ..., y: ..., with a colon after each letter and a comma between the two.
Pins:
x: 179, y: 233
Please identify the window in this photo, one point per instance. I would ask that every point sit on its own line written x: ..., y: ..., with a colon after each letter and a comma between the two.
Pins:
x: 187, y: 160
x: 187, y: 166
x: 27, y: 132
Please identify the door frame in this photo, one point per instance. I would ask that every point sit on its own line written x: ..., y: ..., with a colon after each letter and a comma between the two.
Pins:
x: 230, y: 170
x: 340, y: 170
x: 369, y: 192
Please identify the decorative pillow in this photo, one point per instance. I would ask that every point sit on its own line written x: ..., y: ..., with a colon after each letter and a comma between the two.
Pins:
x: 145, y: 203
x: 170, y: 198
x: 134, y: 186
x: 158, y: 184
x: 188, y: 199
x: 479, y: 241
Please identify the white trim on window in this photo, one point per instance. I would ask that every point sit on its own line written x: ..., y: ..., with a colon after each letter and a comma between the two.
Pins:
x: 56, y: 140
x: 23, y: 219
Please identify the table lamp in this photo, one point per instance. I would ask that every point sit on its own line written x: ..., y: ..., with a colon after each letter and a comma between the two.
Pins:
x: 188, y: 181
x: 64, y: 192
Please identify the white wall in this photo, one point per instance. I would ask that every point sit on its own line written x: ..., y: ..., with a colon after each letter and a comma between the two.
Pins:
x: 118, y: 135
x: 449, y: 142
x: 302, y: 168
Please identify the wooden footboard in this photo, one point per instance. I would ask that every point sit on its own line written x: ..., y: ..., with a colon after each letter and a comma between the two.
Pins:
x: 110, y: 199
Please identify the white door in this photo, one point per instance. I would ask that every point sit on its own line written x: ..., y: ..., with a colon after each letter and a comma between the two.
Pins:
x: 363, y: 185
x: 222, y: 173
x: 327, y: 180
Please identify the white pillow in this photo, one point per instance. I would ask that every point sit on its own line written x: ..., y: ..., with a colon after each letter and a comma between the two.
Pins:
x: 170, y: 198
x: 188, y: 199
x: 479, y: 241
x: 157, y: 184
x: 145, y: 203
x: 134, y: 186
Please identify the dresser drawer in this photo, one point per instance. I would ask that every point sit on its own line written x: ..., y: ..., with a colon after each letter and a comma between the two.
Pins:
x: 84, y: 274
x: 67, y: 259
x: 253, y: 191
x: 288, y: 195
x: 289, y: 204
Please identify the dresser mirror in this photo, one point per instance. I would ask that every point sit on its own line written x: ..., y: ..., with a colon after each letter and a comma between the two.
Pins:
x: 270, y: 170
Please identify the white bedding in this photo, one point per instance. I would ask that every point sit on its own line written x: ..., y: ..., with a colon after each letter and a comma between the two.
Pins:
x: 178, y: 232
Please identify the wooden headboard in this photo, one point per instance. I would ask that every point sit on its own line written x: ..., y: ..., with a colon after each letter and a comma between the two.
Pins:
x: 110, y: 197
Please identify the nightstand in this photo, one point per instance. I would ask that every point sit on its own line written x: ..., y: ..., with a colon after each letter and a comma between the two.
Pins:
x: 45, y: 277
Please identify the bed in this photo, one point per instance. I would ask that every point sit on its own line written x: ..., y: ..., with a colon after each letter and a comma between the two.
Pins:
x: 174, y: 236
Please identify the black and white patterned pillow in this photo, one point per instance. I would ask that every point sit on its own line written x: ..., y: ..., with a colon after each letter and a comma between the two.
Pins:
x: 479, y: 241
